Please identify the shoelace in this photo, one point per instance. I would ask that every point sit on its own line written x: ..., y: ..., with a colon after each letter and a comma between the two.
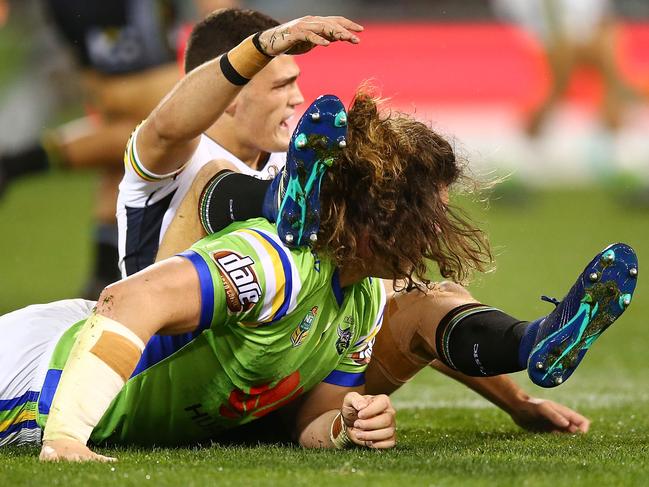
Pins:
x: 548, y: 299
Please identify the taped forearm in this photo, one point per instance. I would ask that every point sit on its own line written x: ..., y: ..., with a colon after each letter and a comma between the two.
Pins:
x: 100, y: 362
x: 244, y: 61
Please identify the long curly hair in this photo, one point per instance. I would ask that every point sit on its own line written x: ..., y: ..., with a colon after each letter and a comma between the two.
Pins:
x: 385, y: 193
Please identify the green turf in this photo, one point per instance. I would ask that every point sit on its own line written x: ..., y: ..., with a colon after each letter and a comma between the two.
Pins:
x: 448, y: 436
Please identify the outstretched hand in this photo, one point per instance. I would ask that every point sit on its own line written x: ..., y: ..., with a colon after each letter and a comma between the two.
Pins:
x: 535, y: 414
x: 370, y: 420
x: 70, y: 451
x: 301, y: 35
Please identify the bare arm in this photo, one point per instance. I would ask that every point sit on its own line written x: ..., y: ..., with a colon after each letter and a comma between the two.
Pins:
x: 528, y: 412
x: 169, y: 136
x: 163, y: 298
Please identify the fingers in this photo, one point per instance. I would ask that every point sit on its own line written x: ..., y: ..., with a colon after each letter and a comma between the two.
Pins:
x: 315, y: 39
x: 578, y: 423
x: 377, y: 422
x: 375, y: 435
x: 375, y: 426
x: 346, y: 23
x: 557, y: 419
x: 377, y: 405
x: 300, y: 35
x: 48, y: 454
x: 355, y: 400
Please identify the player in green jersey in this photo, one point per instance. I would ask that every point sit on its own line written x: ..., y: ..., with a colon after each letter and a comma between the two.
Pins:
x: 394, y: 361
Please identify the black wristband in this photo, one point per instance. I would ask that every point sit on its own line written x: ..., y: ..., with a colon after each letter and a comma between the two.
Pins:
x: 231, y: 74
x: 257, y: 44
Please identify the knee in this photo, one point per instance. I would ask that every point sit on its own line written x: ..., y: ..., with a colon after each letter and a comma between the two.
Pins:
x: 453, y: 289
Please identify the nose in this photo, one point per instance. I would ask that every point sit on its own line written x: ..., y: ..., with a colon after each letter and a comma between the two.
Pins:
x: 296, y: 98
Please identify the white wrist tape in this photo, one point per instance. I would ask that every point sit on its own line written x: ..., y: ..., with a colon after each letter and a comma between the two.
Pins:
x: 100, y: 362
x: 338, y: 433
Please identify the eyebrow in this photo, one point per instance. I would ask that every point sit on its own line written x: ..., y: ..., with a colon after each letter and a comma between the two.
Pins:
x: 286, y: 81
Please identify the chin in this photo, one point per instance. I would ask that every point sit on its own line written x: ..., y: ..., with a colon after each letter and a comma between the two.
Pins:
x: 281, y: 144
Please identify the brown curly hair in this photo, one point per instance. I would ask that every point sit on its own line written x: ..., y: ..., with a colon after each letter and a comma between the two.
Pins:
x: 388, y: 185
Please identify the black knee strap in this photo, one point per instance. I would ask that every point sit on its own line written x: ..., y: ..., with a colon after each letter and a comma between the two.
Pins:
x: 479, y: 340
x: 230, y: 196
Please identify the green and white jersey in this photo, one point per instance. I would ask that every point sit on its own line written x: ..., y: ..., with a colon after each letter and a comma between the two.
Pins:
x: 274, y: 324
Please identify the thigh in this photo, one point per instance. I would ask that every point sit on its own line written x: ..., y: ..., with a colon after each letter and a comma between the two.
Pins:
x: 406, y: 342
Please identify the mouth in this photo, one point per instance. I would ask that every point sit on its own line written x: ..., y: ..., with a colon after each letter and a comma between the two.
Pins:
x: 284, y: 124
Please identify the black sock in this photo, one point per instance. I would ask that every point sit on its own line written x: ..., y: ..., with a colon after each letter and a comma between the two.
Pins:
x: 478, y: 340
x: 106, y: 267
x: 230, y: 197
x: 26, y: 161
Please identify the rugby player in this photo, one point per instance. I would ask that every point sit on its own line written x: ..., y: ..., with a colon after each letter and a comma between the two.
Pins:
x: 423, y: 323
x: 157, y: 214
x: 272, y: 325
x: 397, y: 161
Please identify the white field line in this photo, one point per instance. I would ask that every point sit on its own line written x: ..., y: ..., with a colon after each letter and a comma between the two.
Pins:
x: 577, y: 399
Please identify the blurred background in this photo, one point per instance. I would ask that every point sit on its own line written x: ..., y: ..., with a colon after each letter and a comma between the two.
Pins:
x: 551, y: 94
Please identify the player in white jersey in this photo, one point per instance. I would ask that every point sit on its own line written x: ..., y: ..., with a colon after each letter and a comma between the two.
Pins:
x: 191, y: 128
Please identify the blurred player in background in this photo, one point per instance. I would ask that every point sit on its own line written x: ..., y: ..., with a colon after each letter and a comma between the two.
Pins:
x: 126, y: 50
x: 574, y: 33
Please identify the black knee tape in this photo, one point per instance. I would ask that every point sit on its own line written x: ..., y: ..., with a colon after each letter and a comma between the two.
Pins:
x: 230, y: 196
x: 479, y: 340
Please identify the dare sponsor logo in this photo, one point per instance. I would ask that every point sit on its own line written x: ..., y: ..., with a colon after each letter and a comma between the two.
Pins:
x: 240, y: 281
x: 362, y: 357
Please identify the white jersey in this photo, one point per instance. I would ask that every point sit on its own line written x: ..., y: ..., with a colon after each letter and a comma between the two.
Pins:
x: 147, y: 202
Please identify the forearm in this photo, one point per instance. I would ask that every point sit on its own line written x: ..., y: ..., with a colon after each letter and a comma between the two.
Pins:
x: 499, y: 390
x: 170, y: 133
x: 163, y: 298
x: 182, y: 115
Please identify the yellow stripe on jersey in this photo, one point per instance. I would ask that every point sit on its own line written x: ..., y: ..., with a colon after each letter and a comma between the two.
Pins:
x: 25, y: 415
x: 275, y: 280
x: 130, y: 159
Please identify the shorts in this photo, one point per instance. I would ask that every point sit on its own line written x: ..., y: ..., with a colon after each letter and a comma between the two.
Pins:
x: 29, y: 336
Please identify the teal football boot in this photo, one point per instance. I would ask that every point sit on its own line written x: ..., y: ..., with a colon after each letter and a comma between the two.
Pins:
x: 603, y: 292
x: 292, y: 200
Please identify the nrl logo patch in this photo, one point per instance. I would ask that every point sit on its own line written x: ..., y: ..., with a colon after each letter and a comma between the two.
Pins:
x: 240, y: 282
x: 344, y: 338
x: 302, y: 331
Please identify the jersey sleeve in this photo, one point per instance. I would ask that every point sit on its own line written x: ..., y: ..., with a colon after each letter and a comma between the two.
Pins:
x: 135, y: 168
x: 350, y: 371
x: 247, y: 277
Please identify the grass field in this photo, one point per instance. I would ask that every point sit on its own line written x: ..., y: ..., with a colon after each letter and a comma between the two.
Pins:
x: 448, y: 436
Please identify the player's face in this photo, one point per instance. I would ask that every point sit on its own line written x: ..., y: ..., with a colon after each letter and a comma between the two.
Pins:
x: 267, y: 104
